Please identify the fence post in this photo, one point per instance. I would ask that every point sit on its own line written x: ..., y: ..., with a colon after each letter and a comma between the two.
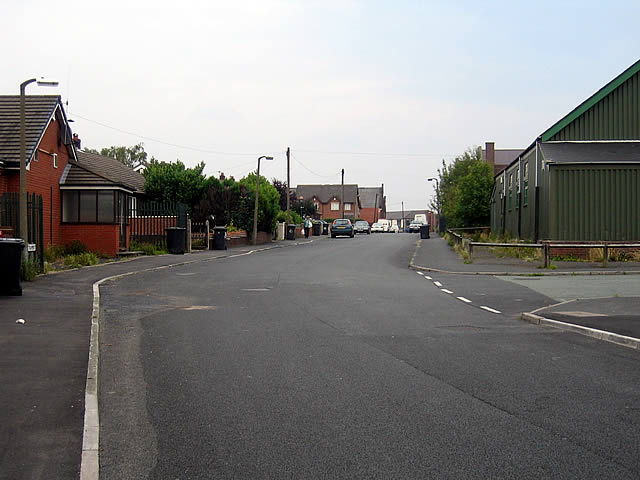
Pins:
x: 188, y: 235
x: 546, y: 255
x: 470, y: 250
x: 206, y: 226
x: 605, y: 255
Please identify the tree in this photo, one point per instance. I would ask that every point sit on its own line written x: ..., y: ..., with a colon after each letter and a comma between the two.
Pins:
x: 268, y: 204
x: 174, y: 182
x: 282, y: 188
x: 134, y: 157
x: 465, y: 190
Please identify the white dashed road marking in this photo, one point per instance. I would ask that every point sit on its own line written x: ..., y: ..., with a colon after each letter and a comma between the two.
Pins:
x: 437, y: 284
x: 420, y: 273
x: 427, y: 277
x: 445, y: 290
x: 465, y: 300
x: 489, y: 309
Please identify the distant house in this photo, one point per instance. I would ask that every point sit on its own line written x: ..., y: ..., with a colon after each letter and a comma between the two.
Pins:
x: 328, y: 199
x: 500, y: 158
x: 80, y: 196
x: 373, y: 203
x: 580, y: 179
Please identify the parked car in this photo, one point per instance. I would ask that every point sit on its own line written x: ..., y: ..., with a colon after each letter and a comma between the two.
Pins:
x: 342, y: 226
x: 414, y: 227
x: 377, y: 227
x: 362, y: 226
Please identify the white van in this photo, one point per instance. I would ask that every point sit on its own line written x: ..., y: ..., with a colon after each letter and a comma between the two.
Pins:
x: 420, y: 217
x: 386, y: 224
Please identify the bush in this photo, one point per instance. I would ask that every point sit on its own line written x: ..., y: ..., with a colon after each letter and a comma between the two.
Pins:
x: 76, y: 247
x: 81, y: 260
x: 53, y: 253
x: 30, y: 270
x: 147, y: 248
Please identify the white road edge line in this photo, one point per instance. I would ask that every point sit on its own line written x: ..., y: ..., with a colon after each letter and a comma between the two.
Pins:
x: 489, y: 309
x: 437, y: 284
x: 465, y: 300
x: 445, y: 290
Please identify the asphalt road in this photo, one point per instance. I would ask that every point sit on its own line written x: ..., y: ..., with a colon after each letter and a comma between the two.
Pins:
x: 334, y: 360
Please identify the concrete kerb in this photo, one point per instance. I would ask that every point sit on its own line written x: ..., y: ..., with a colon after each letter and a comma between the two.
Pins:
x: 90, y: 461
x: 590, y: 332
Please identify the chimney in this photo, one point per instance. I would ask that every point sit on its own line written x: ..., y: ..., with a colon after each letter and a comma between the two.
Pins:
x: 490, y: 153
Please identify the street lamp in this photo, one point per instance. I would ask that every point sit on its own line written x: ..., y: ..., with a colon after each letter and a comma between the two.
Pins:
x: 24, y: 228
x: 255, y: 209
x: 437, y: 199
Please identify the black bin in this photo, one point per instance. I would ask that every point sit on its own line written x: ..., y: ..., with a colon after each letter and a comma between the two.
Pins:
x: 10, y: 265
x: 219, y: 238
x: 317, y: 229
x: 176, y: 239
x: 291, y: 231
x: 424, y: 231
x: 325, y: 228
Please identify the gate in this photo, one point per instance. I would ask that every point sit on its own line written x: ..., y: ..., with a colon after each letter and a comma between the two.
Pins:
x: 146, y: 221
x: 10, y: 220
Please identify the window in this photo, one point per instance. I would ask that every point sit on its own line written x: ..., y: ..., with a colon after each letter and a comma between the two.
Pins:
x: 335, y: 206
x: 317, y: 205
x: 347, y: 207
x: 55, y: 160
x: 89, y: 206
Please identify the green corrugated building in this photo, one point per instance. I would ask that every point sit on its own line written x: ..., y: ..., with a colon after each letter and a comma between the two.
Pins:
x: 580, y: 179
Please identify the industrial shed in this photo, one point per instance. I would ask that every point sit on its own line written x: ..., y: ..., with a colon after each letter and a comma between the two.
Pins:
x: 580, y: 179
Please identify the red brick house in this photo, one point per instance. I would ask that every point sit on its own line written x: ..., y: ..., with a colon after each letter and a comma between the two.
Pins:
x: 328, y: 199
x: 83, y: 195
x: 373, y: 203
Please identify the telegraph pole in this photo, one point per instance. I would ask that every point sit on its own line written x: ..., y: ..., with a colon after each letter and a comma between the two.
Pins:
x: 403, y: 216
x: 288, y: 186
x: 375, y: 211
x: 343, y: 193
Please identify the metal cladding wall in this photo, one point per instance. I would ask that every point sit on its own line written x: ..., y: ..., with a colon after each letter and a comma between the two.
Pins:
x: 594, y: 202
x: 615, y: 117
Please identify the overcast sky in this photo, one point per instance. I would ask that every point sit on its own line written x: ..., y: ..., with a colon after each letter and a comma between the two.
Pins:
x: 384, y: 89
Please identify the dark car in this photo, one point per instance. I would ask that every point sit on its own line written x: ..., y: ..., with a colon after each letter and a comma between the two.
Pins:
x: 362, y: 226
x: 342, y: 226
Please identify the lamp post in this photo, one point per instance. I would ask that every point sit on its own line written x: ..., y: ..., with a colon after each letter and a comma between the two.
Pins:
x: 24, y: 228
x: 255, y: 209
x: 437, y: 199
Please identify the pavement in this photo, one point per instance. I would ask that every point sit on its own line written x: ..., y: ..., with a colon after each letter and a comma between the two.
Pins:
x: 44, y: 361
x: 590, y: 299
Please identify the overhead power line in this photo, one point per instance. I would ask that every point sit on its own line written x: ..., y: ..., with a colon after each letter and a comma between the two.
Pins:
x: 151, y: 139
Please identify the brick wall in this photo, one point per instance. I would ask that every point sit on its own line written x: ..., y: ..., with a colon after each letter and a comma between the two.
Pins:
x: 99, y: 238
x: 44, y: 179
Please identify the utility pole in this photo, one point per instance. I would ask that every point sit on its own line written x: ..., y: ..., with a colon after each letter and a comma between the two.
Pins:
x: 403, y: 216
x: 288, y: 186
x: 343, y: 193
x: 375, y: 210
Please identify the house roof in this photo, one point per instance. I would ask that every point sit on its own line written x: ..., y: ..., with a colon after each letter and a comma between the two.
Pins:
x: 93, y: 170
x: 325, y: 193
x: 591, y: 101
x: 591, y: 152
x: 39, y: 110
x: 368, y: 197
